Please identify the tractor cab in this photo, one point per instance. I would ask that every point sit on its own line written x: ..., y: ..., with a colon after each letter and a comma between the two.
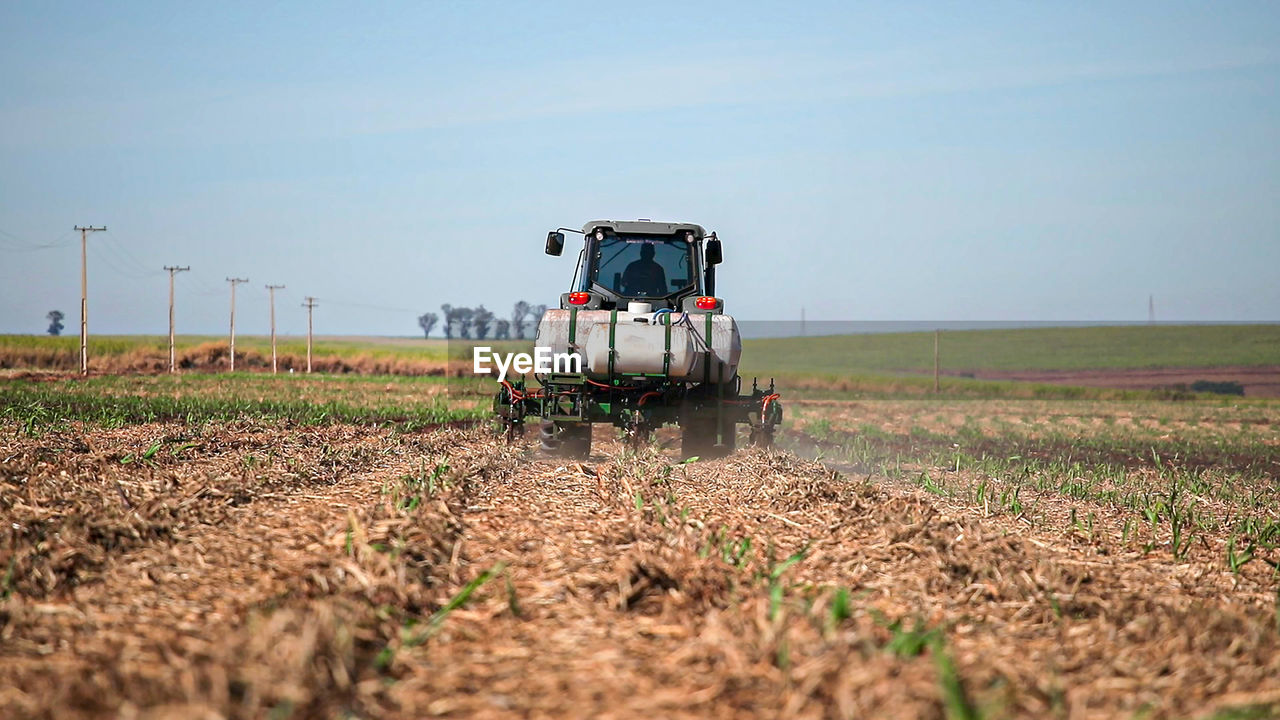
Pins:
x: 661, y: 264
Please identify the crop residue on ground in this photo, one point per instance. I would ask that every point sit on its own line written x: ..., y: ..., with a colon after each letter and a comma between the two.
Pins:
x: 247, y: 569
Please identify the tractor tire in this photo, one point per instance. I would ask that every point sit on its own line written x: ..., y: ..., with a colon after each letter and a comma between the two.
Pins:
x: 566, y: 440
x: 698, y: 436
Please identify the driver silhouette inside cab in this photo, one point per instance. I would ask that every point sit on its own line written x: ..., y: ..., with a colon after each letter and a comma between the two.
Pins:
x: 644, y: 277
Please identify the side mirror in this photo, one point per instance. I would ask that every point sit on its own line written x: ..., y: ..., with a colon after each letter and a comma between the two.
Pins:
x: 555, y: 243
x: 714, y: 255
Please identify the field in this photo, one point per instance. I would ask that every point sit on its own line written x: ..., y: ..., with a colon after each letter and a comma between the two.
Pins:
x: 1122, y: 357
x: 246, y: 546
x: 1071, y: 348
x: 1119, y: 357
x: 150, y: 353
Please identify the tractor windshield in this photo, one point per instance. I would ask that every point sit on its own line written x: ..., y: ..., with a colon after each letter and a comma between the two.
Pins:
x: 643, y: 266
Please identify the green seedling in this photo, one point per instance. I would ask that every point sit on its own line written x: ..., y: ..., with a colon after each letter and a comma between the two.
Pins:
x: 147, y: 456
x: 1237, y: 560
x: 458, y: 600
x: 841, y: 609
x: 776, y: 588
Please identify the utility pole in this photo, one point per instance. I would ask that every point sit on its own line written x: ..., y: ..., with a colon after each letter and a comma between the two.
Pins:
x: 309, y: 305
x: 84, y: 295
x: 937, y: 387
x: 1151, y: 309
x: 173, y: 270
x: 272, y: 290
x: 234, y: 282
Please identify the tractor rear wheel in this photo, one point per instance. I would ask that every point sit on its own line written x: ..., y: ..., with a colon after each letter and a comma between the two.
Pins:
x: 567, y: 440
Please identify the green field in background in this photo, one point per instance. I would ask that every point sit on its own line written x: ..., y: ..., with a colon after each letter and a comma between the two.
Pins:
x: 1077, y: 348
x: 1081, y: 348
x: 341, y: 346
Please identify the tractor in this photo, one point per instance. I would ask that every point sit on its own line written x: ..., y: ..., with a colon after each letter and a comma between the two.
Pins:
x: 652, y: 344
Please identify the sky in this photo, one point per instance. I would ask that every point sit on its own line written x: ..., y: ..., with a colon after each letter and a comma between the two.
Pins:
x: 863, y: 161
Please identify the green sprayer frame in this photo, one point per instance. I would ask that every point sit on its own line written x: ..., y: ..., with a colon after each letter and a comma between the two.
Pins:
x: 639, y: 403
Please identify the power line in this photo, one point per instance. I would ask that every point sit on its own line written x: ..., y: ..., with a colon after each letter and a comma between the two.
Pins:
x: 205, y: 288
x: 127, y: 254
x: 123, y: 261
x: 127, y: 264
x: 17, y: 244
x: 117, y: 264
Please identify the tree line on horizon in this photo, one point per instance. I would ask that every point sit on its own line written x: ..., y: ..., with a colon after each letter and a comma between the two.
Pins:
x: 479, y: 323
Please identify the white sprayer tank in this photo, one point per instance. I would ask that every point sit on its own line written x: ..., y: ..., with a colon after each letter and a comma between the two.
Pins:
x: 638, y: 343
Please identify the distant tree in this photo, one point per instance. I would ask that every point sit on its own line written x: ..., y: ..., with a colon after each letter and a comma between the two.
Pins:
x: 482, y: 321
x: 55, y: 322
x: 535, y: 313
x: 518, y: 314
x: 446, y: 311
x: 501, y: 329
x: 463, y: 317
x: 426, y: 322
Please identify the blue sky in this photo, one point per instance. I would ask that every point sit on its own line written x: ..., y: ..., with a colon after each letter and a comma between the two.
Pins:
x: 895, y: 161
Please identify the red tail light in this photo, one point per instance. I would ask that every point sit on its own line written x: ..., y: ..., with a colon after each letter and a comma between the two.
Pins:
x: 706, y: 303
x: 579, y: 298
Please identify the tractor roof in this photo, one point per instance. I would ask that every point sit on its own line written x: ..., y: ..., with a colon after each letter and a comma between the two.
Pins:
x: 644, y: 227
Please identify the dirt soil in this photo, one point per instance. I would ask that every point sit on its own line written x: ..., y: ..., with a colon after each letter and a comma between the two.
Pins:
x: 1263, y: 381
x: 258, y: 571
